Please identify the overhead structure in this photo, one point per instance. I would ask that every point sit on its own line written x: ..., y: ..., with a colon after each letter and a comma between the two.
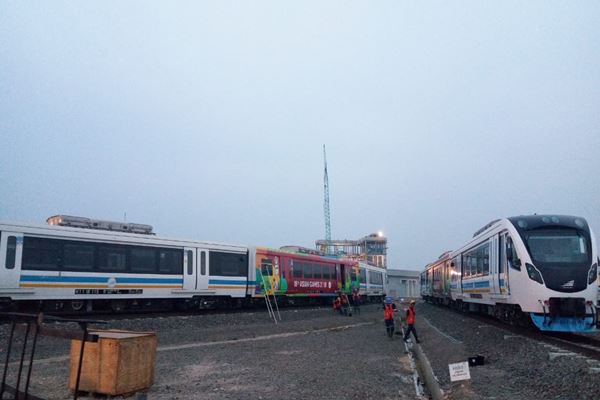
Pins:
x: 326, y: 205
x: 371, y: 249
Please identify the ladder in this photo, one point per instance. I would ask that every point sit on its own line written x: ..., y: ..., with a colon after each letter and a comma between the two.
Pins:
x: 270, y: 292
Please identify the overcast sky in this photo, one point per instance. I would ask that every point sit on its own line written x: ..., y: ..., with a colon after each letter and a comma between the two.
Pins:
x: 207, y: 119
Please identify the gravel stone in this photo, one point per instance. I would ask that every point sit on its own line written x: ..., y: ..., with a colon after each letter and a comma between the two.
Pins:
x: 311, y: 354
x: 516, y: 367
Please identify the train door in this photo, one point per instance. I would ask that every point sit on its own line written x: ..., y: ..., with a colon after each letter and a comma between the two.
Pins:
x: 202, y: 273
x: 447, y: 279
x: 11, y: 249
x: 502, y: 264
x: 343, y: 276
x: 494, y: 263
x: 190, y: 269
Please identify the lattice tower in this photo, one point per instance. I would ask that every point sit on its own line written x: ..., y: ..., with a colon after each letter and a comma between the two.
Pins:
x: 326, y: 204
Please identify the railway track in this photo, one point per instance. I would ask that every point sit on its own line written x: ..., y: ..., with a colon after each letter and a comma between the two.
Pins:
x: 585, y: 345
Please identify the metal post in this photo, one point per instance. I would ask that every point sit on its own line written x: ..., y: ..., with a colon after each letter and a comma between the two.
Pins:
x: 8, y: 350
x: 85, y: 336
x: 22, y: 359
x: 37, y: 331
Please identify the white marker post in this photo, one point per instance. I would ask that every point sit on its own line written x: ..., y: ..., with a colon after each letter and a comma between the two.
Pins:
x: 459, y: 371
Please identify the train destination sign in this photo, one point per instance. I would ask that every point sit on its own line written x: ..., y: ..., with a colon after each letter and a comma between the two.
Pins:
x: 459, y: 371
x: 313, y: 284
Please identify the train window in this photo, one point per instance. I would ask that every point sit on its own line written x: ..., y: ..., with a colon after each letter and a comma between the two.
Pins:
x: 501, y: 255
x: 363, y: 275
x: 112, y: 258
x: 479, y: 257
x: 266, y: 267
x: 486, y: 260
x: 142, y: 260
x: 40, y: 254
x: 228, y: 264
x: 297, y: 270
x: 190, y: 262
x: 78, y: 256
x: 455, y: 267
x: 170, y: 261
x: 375, y: 278
x: 326, y: 272
x: 307, y: 270
x: 11, y: 252
x: 203, y: 263
x: 317, y: 274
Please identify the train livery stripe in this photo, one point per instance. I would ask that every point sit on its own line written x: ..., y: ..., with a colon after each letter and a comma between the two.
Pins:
x: 78, y: 286
x: 226, y: 287
x: 97, y: 282
x: 53, y: 285
x: 476, y: 290
x: 476, y: 285
x: 97, y: 279
x: 229, y: 284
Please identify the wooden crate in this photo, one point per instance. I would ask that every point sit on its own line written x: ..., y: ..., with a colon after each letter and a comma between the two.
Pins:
x: 120, y: 362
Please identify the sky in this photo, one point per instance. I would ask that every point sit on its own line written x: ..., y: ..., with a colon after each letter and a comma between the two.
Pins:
x: 207, y: 119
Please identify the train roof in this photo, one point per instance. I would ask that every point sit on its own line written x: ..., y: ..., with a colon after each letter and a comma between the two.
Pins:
x: 95, y: 234
x: 546, y: 220
x: 304, y: 255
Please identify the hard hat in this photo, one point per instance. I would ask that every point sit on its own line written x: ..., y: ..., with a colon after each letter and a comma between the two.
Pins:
x: 412, y: 302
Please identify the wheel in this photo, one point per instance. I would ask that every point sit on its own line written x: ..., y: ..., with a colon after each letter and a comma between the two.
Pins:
x: 76, y: 305
x: 117, y: 305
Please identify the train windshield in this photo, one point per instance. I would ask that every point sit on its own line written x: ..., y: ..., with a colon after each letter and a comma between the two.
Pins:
x: 557, y: 247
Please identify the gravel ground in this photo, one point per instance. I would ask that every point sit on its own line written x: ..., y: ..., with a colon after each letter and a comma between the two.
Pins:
x: 311, y: 354
x: 515, y: 367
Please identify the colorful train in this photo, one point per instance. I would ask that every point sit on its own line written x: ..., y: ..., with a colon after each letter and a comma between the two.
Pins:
x: 92, y: 265
x: 537, y: 269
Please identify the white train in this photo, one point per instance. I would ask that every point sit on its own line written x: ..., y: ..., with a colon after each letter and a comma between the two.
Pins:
x: 373, y: 281
x: 91, y: 264
x: 542, y: 268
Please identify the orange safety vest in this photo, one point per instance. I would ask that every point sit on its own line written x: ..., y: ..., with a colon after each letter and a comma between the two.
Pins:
x: 410, y: 316
x: 336, y: 303
x: 388, y: 312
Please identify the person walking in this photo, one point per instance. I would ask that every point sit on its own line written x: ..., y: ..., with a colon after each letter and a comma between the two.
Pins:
x: 356, y: 301
x: 410, y: 322
x: 337, y: 304
x: 388, y: 316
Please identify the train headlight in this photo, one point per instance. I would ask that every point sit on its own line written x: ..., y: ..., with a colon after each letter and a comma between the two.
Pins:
x: 593, y: 274
x: 534, y: 273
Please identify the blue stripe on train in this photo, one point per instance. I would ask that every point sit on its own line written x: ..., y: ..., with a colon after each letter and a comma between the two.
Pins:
x: 227, y: 282
x: 94, y: 279
x: 476, y: 285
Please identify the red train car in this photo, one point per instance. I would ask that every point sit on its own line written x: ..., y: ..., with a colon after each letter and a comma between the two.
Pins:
x: 295, y: 275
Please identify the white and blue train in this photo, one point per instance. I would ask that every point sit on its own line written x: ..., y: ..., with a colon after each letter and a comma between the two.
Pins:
x: 540, y: 269
x: 76, y: 264
x: 373, y: 280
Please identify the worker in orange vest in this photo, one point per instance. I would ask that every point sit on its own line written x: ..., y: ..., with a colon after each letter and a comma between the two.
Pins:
x: 337, y: 304
x: 356, y: 301
x: 345, y: 305
x: 410, y: 322
x: 388, y: 316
